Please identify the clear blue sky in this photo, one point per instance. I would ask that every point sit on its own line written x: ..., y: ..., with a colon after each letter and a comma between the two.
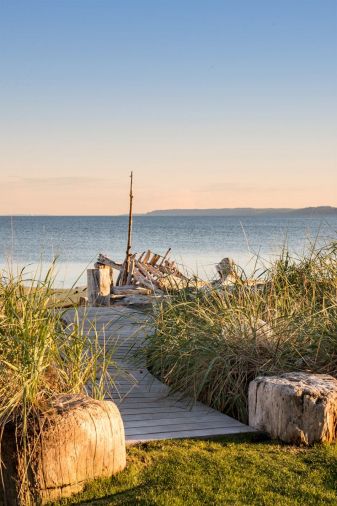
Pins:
x: 211, y: 103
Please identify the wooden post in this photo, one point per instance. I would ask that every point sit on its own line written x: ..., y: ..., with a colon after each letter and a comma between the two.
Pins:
x: 165, y: 256
x: 128, y: 246
x: 99, y: 286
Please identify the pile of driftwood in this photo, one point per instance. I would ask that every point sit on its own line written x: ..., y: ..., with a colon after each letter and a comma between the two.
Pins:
x: 135, y: 281
x: 142, y: 278
x: 149, y: 270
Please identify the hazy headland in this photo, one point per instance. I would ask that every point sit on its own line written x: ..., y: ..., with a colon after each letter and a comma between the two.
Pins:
x: 246, y: 211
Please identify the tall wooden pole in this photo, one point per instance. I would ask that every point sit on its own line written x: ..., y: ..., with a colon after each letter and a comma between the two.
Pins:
x: 128, y: 247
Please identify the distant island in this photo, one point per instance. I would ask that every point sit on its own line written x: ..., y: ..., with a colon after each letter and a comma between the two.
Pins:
x: 244, y: 211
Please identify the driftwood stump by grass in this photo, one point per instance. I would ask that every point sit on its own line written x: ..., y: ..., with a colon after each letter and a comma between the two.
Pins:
x: 297, y: 407
x: 80, y: 439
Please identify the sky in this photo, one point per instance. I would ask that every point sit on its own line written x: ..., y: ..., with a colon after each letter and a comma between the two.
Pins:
x: 215, y: 103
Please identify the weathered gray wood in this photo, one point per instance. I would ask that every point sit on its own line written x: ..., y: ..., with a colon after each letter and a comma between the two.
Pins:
x: 147, y: 410
x: 130, y: 290
x: 295, y: 407
x: 147, y: 256
x: 194, y: 433
x: 99, y: 286
x: 165, y: 256
x: 130, y: 273
x: 125, y: 278
x: 82, y: 439
x: 83, y: 301
x: 182, y: 418
x: 156, y: 408
x: 103, y: 260
x: 180, y: 427
x: 137, y: 300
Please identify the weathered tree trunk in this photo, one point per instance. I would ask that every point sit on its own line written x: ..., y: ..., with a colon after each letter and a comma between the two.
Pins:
x: 227, y: 270
x: 99, y: 281
x: 81, y: 439
x: 295, y: 407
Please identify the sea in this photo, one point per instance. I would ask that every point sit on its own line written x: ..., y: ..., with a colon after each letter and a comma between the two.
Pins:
x: 197, y: 243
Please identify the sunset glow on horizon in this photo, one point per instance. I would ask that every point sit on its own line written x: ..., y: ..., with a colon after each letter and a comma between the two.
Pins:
x: 211, y: 104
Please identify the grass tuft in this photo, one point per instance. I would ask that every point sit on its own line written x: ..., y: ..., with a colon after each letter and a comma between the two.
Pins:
x: 210, y: 344
x: 41, y: 356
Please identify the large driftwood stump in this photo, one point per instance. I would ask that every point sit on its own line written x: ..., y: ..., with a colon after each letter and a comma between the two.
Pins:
x: 295, y: 407
x: 99, y: 281
x: 81, y: 439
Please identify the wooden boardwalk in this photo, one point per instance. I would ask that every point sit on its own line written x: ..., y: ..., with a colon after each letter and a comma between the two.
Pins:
x: 148, y: 411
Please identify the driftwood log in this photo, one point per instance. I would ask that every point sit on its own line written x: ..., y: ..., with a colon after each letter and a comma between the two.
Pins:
x: 227, y: 270
x: 99, y: 283
x: 296, y: 407
x: 130, y: 290
x: 80, y: 439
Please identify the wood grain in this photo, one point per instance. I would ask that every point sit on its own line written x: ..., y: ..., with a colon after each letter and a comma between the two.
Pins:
x: 148, y: 410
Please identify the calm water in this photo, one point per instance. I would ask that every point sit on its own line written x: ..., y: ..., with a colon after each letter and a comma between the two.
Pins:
x: 198, y: 242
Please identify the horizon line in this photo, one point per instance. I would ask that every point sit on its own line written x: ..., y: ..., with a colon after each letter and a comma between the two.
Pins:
x: 181, y: 209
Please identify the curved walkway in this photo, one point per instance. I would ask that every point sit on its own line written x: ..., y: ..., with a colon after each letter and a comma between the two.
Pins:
x: 148, y: 411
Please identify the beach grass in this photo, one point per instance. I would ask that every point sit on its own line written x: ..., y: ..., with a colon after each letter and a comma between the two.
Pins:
x: 41, y: 356
x: 62, y: 297
x: 209, y: 344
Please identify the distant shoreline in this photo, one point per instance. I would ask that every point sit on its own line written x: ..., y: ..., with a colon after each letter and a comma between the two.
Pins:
x: 235, y: 211
x: 245, y: 211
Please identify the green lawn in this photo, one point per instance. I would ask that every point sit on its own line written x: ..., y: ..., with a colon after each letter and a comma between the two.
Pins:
x: 220, y: 472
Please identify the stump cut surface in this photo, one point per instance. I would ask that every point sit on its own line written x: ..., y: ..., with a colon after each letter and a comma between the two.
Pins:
x: 295, y: 407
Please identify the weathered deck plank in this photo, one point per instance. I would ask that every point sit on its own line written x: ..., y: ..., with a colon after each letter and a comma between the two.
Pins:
x: 148, y: 410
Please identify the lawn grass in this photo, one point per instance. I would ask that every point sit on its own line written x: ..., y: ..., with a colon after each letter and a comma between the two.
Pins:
x: 225, y: 471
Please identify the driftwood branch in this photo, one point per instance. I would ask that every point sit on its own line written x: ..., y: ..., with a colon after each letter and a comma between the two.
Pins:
x: 103, y: 260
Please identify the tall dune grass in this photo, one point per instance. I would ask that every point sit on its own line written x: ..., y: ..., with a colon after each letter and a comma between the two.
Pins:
x: 41, y: 356
x: 210, y: 344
